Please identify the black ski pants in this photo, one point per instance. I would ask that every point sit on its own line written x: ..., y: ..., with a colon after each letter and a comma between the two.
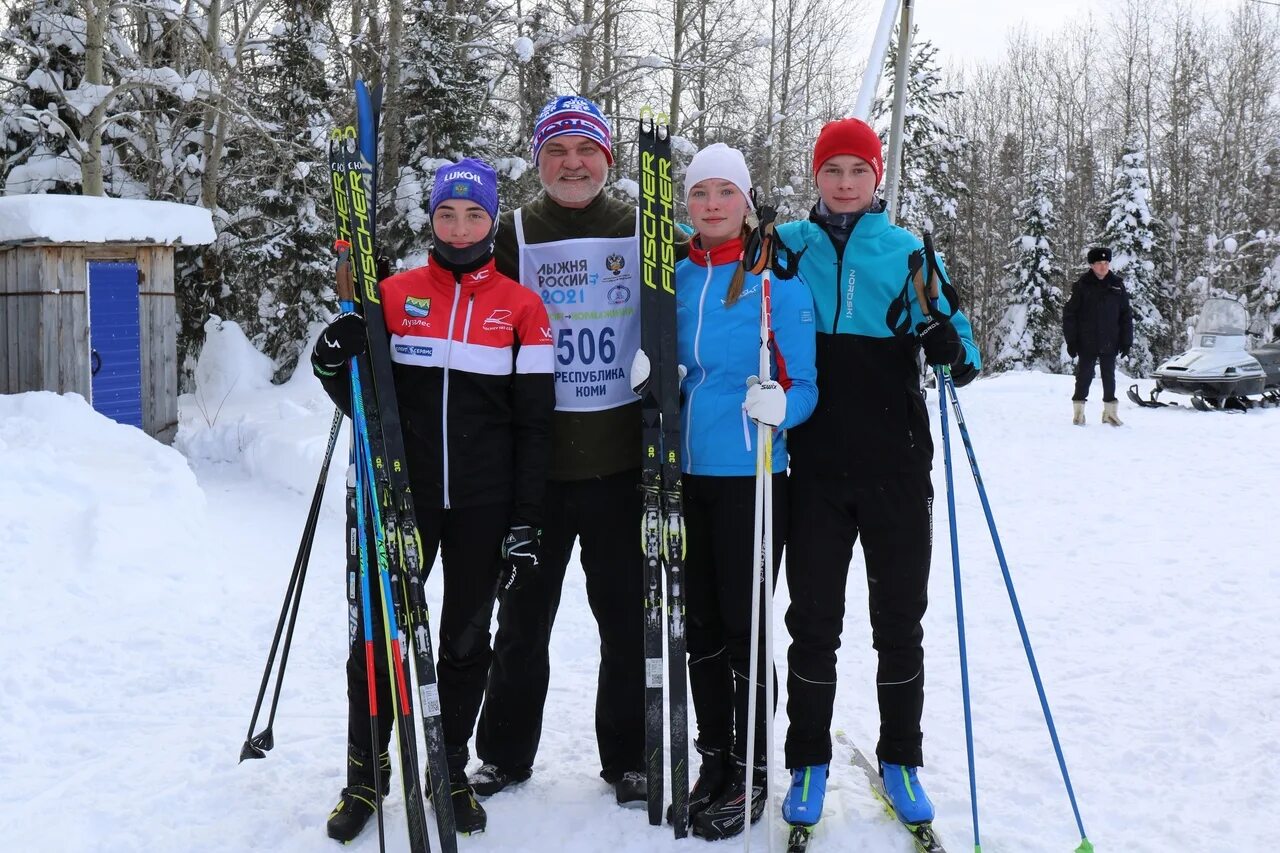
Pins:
x: 1084, y: 376
x: 893, y: 515
x: 721, y: 561
x: 603, y: 514
x: 469, y: 541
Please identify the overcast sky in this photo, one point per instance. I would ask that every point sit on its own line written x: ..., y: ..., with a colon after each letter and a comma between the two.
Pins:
x: 968, y: 30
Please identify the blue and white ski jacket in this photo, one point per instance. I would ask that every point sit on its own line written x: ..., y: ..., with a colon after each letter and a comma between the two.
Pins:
x: 870, y: 419
x: 720, y: 347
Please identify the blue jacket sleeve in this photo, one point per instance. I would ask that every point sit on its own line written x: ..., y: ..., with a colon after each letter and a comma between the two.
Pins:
x: 795, y: 348
x: 973, y: 358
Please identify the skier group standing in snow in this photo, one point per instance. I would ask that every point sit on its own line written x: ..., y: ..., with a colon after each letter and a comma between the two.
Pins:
x: 510, y: 350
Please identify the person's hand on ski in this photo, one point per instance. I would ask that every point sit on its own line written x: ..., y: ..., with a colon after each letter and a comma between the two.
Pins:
x: 346, y: 337
x: 766, y: 402
x: 520, y: 556
x: 638, y: 376
x: 940, y: 341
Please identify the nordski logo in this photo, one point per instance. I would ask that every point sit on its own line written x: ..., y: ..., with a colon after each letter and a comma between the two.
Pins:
x: 417, y: 306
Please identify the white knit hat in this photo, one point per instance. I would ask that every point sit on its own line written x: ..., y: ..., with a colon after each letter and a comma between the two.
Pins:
x: 719, y: 161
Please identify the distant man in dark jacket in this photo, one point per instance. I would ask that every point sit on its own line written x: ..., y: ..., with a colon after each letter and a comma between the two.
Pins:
x: 1098, y: 326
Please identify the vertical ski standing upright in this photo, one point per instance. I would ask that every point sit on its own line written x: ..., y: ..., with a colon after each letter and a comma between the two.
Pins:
x: 662, y: 526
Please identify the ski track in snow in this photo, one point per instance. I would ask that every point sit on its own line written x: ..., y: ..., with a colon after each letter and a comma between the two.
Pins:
x: 142, y: 608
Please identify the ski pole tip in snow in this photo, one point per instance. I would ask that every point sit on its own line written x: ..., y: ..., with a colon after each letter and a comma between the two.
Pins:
x: 1086, y: 846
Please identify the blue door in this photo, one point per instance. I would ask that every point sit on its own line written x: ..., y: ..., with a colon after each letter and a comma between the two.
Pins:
x: 114, y: 337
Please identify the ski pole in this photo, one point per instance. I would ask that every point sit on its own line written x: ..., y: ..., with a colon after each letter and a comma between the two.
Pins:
x: 943, y: 375
x: 371, y: 684
x: 764, y: 540
x: 1085, y: 845
x: 256, y: 746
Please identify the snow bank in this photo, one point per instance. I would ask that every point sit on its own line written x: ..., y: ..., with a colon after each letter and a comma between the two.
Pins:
x: 101, y: 533
x: 237, y: 417
x: 89, y: 219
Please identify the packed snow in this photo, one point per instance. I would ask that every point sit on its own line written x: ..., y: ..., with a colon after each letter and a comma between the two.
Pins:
x: 92, y: 219
x: 143, y: 588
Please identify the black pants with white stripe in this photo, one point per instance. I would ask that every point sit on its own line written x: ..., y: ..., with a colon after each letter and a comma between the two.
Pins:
x: 893, y: 515
x: 720, y: 562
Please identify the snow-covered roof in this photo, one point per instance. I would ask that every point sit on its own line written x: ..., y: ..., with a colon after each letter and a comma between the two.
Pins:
x: 89, y: 219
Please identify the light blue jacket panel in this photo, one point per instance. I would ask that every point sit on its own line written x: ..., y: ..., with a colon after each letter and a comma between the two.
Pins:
x: 720, y: 347
x: 866, y: 290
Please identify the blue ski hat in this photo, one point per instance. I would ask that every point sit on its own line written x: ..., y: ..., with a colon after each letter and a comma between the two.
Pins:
x: 468, y: 179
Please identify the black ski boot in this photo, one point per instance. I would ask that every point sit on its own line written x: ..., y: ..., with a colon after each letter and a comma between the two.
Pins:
x: 358, y: 801
x: 490, y: 779
x: 722, y: 818
x: 710, y: 782
x: 468, y: 815
x: 632, y: 790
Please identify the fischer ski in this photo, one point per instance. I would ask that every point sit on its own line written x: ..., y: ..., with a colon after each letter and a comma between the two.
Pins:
x: 662, y: 526
x: 351, y: 209
x: 402, y: 524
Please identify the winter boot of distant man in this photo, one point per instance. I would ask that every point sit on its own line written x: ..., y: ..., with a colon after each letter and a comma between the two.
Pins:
x: 1109, y: 415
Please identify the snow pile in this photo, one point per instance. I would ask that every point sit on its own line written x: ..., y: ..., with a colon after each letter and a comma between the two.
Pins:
x: 236, y: 416
x: 89, y: 219
x: 101, y: 536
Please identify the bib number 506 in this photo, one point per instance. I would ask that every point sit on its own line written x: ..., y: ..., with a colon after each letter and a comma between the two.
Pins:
x: 586, y: 345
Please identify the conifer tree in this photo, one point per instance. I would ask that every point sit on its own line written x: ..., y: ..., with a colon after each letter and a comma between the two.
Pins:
x: 1031, y: 331
x: 1129, y: 234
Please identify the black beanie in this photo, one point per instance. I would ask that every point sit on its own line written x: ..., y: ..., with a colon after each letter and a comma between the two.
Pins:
x: 1099, y: 253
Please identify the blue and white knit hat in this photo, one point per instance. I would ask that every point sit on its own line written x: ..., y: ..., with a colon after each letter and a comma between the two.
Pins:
x: 468, y: 179
x: 571, y: 114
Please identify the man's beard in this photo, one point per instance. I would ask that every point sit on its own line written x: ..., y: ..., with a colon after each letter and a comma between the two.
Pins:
x: 575, y: 192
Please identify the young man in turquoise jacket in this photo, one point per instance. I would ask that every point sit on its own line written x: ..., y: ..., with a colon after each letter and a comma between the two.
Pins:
x: 860, y: 467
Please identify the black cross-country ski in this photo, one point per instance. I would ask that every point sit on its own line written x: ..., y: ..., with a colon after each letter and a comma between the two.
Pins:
x: 922, y: 833
x: 662, y: 529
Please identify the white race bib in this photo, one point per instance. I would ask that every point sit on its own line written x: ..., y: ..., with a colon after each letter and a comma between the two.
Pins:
x: 590, y: 288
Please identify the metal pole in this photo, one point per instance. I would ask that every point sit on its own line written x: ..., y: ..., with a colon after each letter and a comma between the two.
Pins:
x: 894, y: 164
x: 875, y: 62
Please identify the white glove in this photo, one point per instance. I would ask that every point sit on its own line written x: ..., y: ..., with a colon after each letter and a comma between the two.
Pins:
x: 640, y: 368
x: 639, y: 375
x: 766, y: 402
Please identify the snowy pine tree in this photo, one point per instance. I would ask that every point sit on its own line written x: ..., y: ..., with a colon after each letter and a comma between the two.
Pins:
x: 446, y: 97
x: 281, y: 273
x: 1128, y: 232
x: 44, y: 46
x: 931, y: 183
x: 1031, y: 330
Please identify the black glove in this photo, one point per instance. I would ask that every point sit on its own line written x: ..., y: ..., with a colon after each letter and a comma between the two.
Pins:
x: 940, y: 342
x: 1071, y: 351
x: 346, y: 337
x: 520, y: 551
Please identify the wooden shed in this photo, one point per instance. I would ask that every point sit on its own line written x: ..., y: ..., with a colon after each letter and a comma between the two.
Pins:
x: 87, y: 301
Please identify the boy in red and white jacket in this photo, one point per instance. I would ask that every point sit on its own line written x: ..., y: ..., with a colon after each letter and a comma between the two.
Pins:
x: 472, y: 359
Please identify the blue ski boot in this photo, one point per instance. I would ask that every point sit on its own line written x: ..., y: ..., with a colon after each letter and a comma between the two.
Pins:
x: 803, y: 803
x: 906, y: 793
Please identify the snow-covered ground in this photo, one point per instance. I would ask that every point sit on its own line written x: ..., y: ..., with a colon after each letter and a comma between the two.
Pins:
x: 141, y: 589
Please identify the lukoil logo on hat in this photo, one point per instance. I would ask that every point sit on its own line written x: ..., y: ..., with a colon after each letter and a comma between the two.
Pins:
x: 469, y: 179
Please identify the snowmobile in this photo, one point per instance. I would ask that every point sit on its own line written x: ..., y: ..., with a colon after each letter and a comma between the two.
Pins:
x: 1219, y: 371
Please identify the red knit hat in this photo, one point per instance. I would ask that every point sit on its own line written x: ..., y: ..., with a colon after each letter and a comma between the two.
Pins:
x: 849, y: 136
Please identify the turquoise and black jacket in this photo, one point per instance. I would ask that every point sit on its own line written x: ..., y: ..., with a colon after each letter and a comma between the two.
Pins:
x: 720, y: 347
x: 870, y: 419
